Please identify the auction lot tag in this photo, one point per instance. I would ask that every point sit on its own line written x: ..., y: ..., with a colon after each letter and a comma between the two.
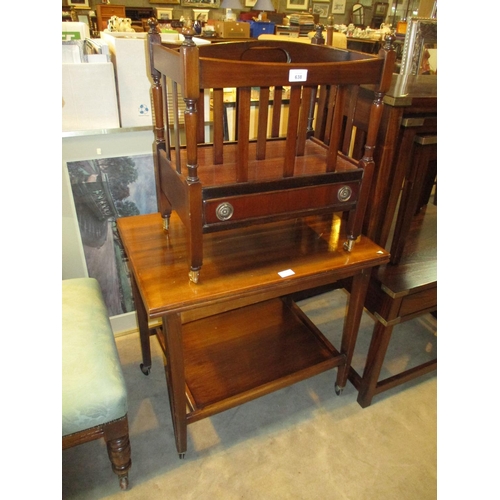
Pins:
x: 297, y: 75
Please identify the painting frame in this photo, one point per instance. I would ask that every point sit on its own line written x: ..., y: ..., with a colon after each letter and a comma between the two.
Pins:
x: 338, y: 6
x: 320, y: 8
x: 173, y: 2
x: 84, y: 18
x: 164, y: 13
x: 101, y: 191
x: 79, y: 4
x: 213, y: 4
x: 297, y: 5
x: 421, y: 32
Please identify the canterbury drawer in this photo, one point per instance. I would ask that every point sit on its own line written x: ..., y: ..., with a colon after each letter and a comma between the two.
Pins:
x: 337, y: 197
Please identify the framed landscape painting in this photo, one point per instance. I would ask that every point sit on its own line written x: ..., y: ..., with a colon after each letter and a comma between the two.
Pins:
x: 338, y: 6
x: 297, y: 4
x: 321, y: 9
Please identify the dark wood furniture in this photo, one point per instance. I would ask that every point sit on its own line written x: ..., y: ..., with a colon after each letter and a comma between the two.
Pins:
x: 214, y: 184
x: 238, y: 334
x: 398, y: 293
x: 421, y: 170
x: 405, y: 161
x: 105, y: 12
x: 115, y: 434
x: 410, y: 108
x: 368, y: 45
x: 139, y: 17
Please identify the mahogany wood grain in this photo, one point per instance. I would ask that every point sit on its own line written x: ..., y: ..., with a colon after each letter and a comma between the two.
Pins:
x: 201, y: 164
x: 398, y: 293
x: 237, y: 335
x: 239, y: 262
x: 225, y: 364
x: 393, y: 145
x: 423, y: 158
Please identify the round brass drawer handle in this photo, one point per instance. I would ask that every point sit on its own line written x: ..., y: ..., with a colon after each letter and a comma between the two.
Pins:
x: 224, y: 211
x: 344, y: 193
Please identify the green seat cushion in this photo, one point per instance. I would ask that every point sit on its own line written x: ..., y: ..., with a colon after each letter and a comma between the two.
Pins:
x: 93, y: 387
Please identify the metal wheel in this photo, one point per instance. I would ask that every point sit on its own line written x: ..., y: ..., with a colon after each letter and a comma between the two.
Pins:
x: 123, y: 483
x: 145, y: 369
x: 338, y: 390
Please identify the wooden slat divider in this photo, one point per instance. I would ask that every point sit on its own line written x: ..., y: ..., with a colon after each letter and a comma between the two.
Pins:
x: 336, y: 131
x: 292, y: 131
x: 351, y: 110
x: 303, y: 120
x: 262, y: 124
x: 277, y: 101
x: 177, y: 143
x: 218, y: 116
x: 243, y: 130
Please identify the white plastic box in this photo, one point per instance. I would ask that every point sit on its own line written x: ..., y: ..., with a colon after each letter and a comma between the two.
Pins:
x: 129, y: 56
x: 89, y: 97
x: 133, y: 80
x: 74, y: 31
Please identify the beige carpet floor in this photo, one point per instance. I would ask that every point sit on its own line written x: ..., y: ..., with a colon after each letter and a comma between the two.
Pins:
x: 302, y: 442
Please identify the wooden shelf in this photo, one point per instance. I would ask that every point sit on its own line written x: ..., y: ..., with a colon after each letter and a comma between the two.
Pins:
x: 237, y: 356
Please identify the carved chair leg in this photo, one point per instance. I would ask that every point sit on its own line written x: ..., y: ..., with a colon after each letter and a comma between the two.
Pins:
x: 119, y: 454
x: 118, y: 445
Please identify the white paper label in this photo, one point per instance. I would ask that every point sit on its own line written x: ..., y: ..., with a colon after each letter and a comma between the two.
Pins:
x: 285, y: 274
x: 297, y: 75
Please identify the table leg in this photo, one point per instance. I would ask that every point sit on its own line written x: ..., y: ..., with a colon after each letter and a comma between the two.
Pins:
x: 355, y: 306
x: 142, y: 321
x: 375, y: 358
x: 174, y: 373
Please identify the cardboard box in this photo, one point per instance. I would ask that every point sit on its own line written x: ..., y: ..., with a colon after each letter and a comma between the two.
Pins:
x: 232, y: 29
x: 89, y: 97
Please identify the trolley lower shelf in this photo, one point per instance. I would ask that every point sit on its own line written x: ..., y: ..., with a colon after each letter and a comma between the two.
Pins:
x: 240, y: 355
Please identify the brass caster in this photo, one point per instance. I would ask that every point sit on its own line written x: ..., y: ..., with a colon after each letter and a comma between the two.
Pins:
x: 338, y: 390
x: 166, y: 223
x: 194, y: 276
x: 124, y: 483
x: 145, y: 369
x: 182, y: 456
x: 348, y: 245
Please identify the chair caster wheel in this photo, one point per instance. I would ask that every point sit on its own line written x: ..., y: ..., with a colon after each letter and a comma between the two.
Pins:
x: 145, y: 369
x: 124, y: 483
x: 182, y: 456
x: 338, y: 390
